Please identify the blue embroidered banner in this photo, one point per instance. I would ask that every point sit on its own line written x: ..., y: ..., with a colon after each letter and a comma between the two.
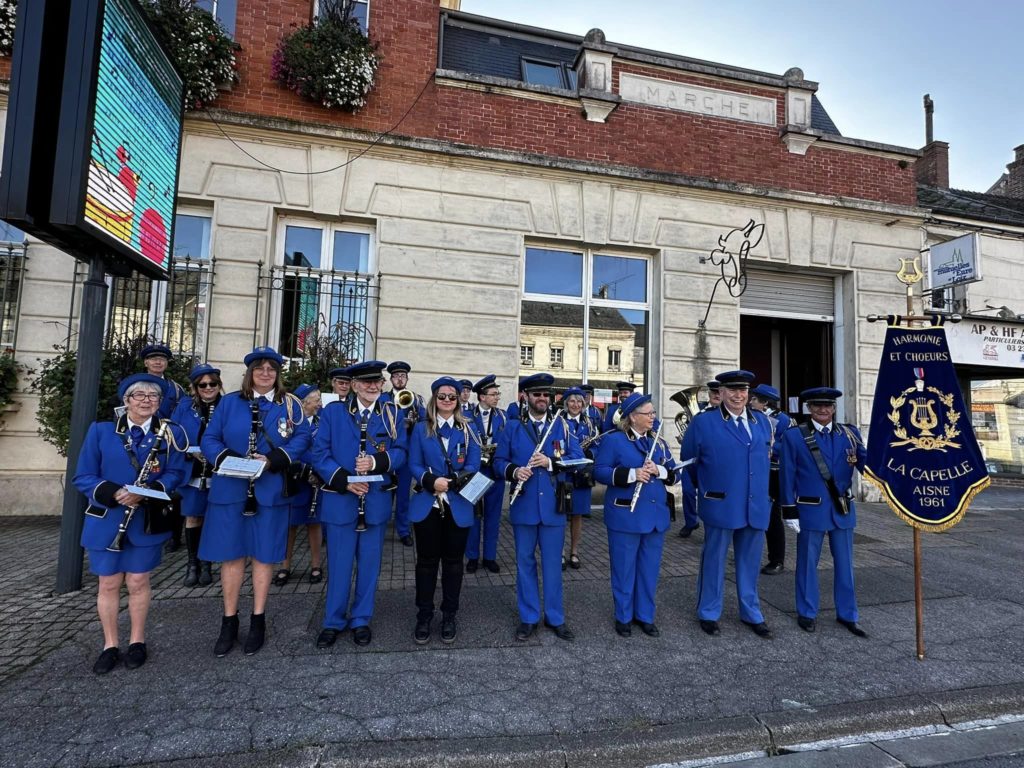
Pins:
x: 922, y: 453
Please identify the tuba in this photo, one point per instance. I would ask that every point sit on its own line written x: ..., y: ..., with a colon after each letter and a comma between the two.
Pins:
x: 687, y: 400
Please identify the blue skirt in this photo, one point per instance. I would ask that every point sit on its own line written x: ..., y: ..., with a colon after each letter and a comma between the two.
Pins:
x: 229, y: 535
x: 581, y: 498
x: 298, y: 514
x: 193, y: 501
x: 131, y: 559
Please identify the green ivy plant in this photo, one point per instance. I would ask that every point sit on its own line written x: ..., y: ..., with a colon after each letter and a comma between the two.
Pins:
x: 8, y: 12
x: 9, y: 372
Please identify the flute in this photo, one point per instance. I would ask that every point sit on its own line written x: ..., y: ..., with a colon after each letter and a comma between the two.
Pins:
x: 539, y: 449
x: 650, y: 456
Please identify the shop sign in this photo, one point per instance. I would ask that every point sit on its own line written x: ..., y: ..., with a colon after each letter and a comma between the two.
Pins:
x: 954, y: 262
x: 987, y: 343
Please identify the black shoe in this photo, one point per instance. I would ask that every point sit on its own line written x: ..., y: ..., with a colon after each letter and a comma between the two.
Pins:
x: 806, y: 623
x: 760, y: 629
x: 686, y: 531
x: 710, y: 627
x: 228, y: 636
x: 191, y: 573
x: 107, y: 660
x: 623, y: 630
x: 205, y: 574
x: 649, y: 628
x: 407, y: 540
x: 565, y: 563
x: 172, y: 545
x: 524, y: 631
x: 562, y: 632
x: 362, y: 635
x: 854, y: 627
x: 136, y: 656
x: 472, y: 565
x: 327, y: 637
x: 449, y: 629
x: 422, y: 632
x: 492, y: 566
x: 773, y: 569
x: 257, y: 633
x: 282, y: 576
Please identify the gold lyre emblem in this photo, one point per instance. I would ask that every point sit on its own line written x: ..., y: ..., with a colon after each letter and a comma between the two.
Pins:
x: 924, y: 418
x: 923, y: 415
x: 910, y: 271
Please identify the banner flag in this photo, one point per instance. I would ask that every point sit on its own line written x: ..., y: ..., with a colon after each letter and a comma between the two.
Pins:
x: 922, y: 453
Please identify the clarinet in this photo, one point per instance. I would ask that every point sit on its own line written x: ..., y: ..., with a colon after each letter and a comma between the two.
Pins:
x: 144, y: 472
x: 250, y: 497
x: 205, y: 470
x: 361, y: 519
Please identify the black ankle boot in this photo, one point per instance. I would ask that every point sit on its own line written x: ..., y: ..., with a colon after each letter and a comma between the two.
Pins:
x: 228, y: 636
x: 191, y: 572
x: 192, y: 569
x: 205, y: 575
x: 257, y: 633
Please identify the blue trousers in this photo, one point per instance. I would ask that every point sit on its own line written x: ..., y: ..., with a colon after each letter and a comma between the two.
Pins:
x: 747, y: 544
x: 550, y: 538
x: 689, y: 502
x: 490, y: 525
x: 635, y: 562
x: 345, y: 549
x: 808, y: 552
x: 402, y: 491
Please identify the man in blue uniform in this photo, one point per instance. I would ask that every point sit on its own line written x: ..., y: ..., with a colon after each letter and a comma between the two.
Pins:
x: 764, y: 398
x: 528, y: 453
x: 592, y: 411
x: 466, y: 392
x: 728, y: 456
x: 815, y: 477
x: 625, y: 389
x: 691, y: 521
x: 363, y: 437
x: 487, y: 421
x: 399, y: 371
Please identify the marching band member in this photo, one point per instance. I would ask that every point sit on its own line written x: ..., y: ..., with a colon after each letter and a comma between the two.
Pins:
x: 582, y: 478
x: 816, y: 474
x: 691, y: 521
x: 488, y: 421
x: 592, y: 411
x: 155, y: 359
x: 517, y: 410
x: 765, y: 398
x: 248, y: 518
x: 194, y: 414
x: 341, y: 383
x: 714, y: 396
x: 636, y: 533
x: 366, y: 437
x: 625, y: 389
x: 443, y: 456
x: 113, y: 457
x: 465, y: 392
x: 399, y: 373
x: 728, y: 457
x: 300, y: 503
x: 527, y: 452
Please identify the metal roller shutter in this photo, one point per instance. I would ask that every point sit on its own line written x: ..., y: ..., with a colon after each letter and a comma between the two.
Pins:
x: 787, y: 294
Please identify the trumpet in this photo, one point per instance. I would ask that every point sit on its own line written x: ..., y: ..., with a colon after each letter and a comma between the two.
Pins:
x: 405, y: 398
x: 144, y: 472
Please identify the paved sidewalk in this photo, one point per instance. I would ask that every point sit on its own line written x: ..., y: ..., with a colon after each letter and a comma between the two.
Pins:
x: 487, y: 699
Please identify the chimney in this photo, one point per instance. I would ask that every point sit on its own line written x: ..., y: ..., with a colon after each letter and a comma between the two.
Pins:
x: 1015, y: 174
x: 451, y: 5
x: 933, y: 167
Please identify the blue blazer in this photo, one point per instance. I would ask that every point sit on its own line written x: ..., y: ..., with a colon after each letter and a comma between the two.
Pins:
x: 801, y: 484
x: 617, y: 453
x: 334, y: 458
x: 499, y: 420
x: 427, y: 464
x: 187, y: 416
x: 104, y: 467
x: 173, y: 394
x: 536, y: 502
x: 730, y: 474
x: 228, y: 435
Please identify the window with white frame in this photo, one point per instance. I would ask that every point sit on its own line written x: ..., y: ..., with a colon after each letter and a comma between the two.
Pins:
x: 593, y: 301
x: 357, y: 9
x: 526, y: 355
x: 224, y: 11
x: 321, y: 292
x: 614, y: 359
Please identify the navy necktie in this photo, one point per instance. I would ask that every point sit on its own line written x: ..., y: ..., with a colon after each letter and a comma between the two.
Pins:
x: 446, y: 430
x: 137, y: 436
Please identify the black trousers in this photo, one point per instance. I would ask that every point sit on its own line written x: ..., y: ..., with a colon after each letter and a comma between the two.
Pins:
x: 439, y: 541
x: 775, y: 537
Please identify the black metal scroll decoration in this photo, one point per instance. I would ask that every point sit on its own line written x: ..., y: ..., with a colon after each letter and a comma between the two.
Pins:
x: 731, y: 257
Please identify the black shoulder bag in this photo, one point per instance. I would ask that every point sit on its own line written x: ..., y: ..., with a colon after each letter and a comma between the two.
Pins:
x: 841, y: 501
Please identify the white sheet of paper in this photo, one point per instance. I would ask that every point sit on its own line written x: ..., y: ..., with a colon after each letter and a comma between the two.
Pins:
x: 194, y: 450
x: 239, y: 466
x: 475, y: 488
x: 367, y: 478
x: 326, y: 398
x: 575, y: 462
x: 149, y: 493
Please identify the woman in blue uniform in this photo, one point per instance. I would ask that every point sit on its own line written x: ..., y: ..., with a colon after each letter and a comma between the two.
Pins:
x: 581, y: 479
x: 635, y: 538
x: 193, y: 414
x: 442, y: 457
x: 300, y: 504
x: 249, y: 518
x: 113, y: 457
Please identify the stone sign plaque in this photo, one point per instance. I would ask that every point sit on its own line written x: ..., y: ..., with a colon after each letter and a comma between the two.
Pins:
x: 692, y: 98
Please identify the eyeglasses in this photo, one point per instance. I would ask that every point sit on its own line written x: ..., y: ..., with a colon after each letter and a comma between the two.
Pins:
x: 207, y: 385
x: 265, y: 369
x: 539, y: 394
x: 371, y: 382
x: 141, y: 396
x: 646, y: 413
x: 449, y: 398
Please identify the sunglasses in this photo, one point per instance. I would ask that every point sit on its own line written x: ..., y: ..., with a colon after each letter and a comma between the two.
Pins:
x: 450, y: 398
x: 539, y: 394
x: 208, y: 385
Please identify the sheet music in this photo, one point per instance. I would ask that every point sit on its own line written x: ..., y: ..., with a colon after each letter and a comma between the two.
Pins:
x: 366, y: 478
x: 575, y: 462
x: 149, y: 493
x: 239, y: 466
x: 476, y: 488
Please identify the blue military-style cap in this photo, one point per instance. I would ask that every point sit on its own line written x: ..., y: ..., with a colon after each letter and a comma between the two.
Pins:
x: 713, y: 386
x: 151, y: 350
x: 577, y: 391
x: 445, y: 381
x: 399, y: 366
x: 736, y: 379
x: 487, y: 382
x: 821, y: 395
x: 766, y: 392
x: 588, y: 388
x: 368, y: 370
x: 263, y: 353
x: 465, y: 383
x: 621, y: 385
x: 633, y: 402
x: 538, y: 381
x: 138, y: 378
x: 303, y: 390
x: 203, y: 369
x: 340, y: 373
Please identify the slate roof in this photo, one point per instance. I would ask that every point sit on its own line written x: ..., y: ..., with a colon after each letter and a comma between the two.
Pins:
x: 571, y: 316
x: 980, y: 206
x: 497, y: 52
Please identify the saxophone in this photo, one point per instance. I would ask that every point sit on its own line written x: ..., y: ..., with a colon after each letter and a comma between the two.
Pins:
x: 144, y: 472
